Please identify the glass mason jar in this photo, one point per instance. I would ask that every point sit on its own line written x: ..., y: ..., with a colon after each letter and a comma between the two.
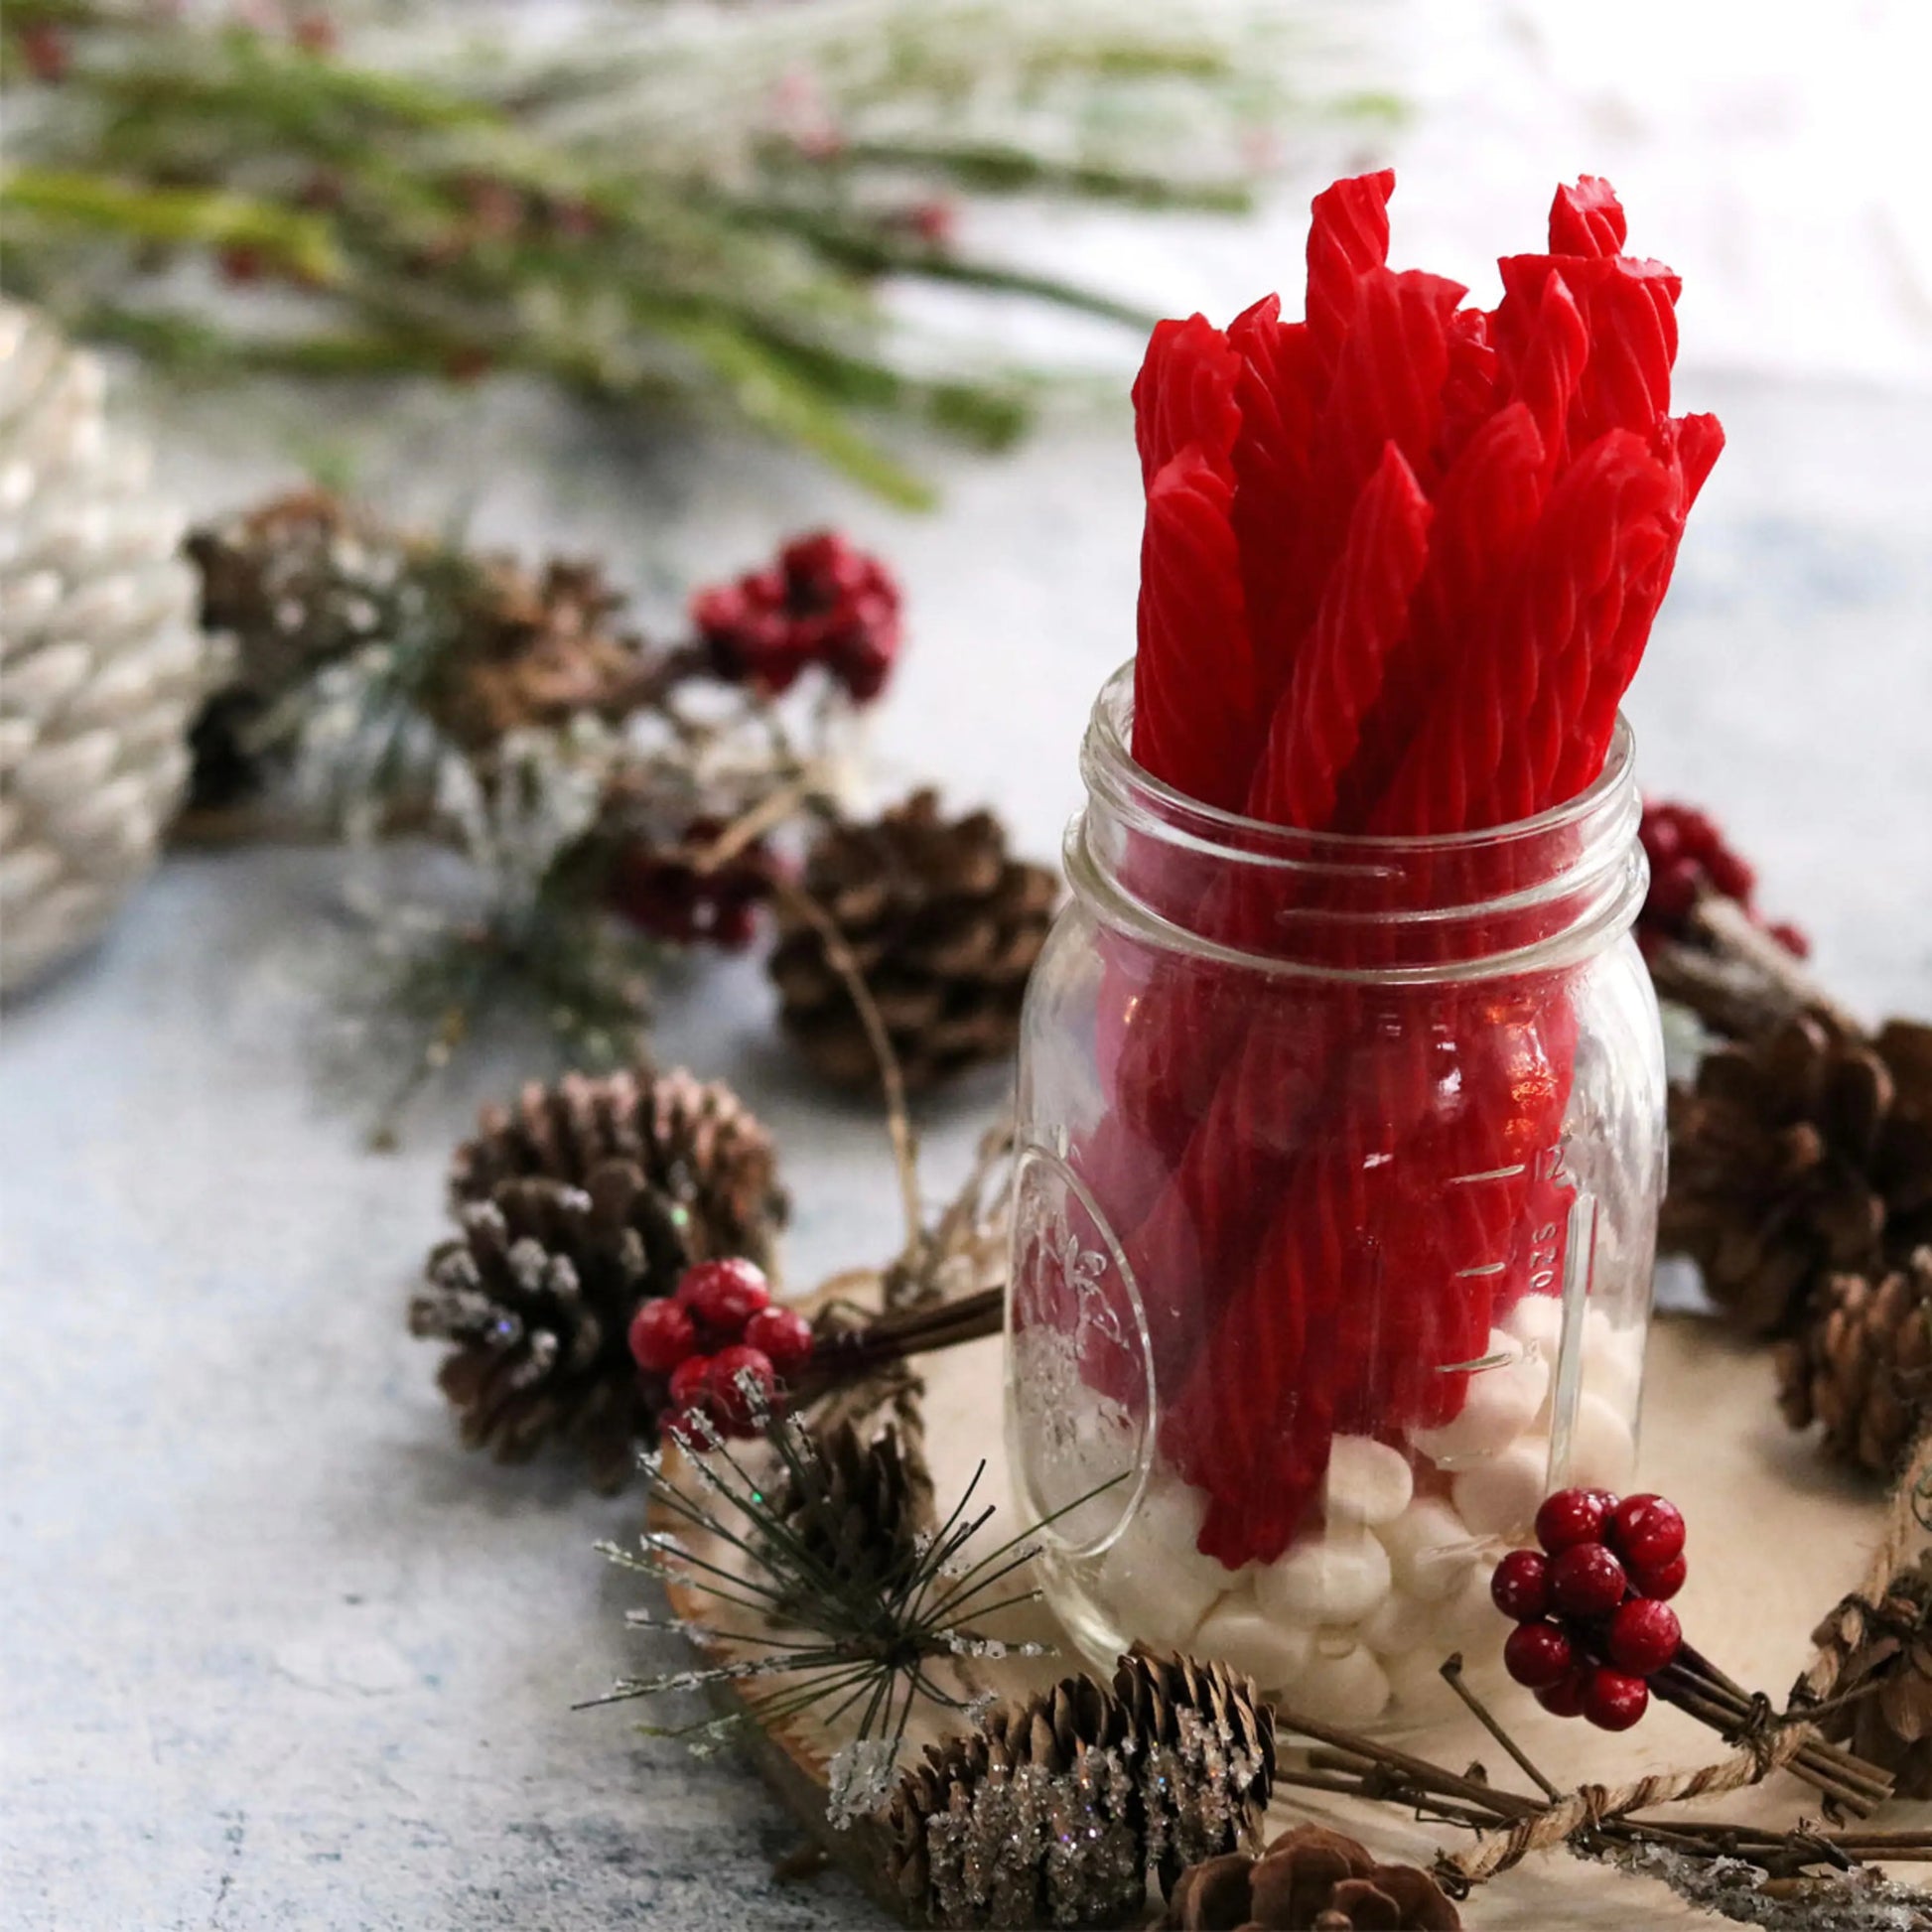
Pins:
x: 1334, y: 1217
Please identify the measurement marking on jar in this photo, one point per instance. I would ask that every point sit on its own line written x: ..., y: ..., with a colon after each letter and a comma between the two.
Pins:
x: 1487, y: 1267
x: 1493, y: 1174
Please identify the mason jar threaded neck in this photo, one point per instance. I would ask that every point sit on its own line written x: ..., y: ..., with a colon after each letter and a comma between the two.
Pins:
x: 1182, y: 876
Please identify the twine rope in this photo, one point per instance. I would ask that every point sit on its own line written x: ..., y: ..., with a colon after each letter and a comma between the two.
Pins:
x: 1764, y: 1744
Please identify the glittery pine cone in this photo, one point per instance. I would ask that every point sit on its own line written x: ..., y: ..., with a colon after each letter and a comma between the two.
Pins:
x: 943, y: 926
x: 696, y: 1144
x: 1800, y: 1153
x: 1059, y: 1810
x: 1310, y: 1879
x: 537, y: 1296
x: 1862, y: 1366
x: 1889, y: 1642
x: 1211, y: 1737
x: 866, y: 1505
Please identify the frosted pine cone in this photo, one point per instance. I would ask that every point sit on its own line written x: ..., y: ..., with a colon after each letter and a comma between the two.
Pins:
x: 101, y: 660
x: 537, y: 1296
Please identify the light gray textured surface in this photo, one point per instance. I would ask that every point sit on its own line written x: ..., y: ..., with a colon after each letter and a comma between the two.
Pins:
x: 272, y: 1651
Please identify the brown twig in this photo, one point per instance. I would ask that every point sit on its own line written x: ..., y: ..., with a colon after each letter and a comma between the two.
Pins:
x: 899, y: 1123
x: 1736, y: 978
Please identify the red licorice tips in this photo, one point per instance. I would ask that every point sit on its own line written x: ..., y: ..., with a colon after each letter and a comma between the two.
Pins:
x: 1466, y: 669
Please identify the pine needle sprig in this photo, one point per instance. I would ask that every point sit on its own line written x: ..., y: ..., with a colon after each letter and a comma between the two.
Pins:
x: 693, y: 208
x: 832, y: 1642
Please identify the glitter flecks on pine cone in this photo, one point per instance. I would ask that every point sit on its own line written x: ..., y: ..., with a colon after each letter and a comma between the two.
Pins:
x: 1308, y: 1878
x: 1802, y: 1153
x: 1886, y: 1651
x: 1861, y: 1366
x: 694, y: 1141
x: 1062, y: 1809
x: 536, y: 1295
x: 822, y: 604
x: 943, y: 925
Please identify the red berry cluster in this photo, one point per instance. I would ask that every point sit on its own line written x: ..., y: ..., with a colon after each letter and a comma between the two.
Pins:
x: 659, y: 890
x: 719, y: 1327
x: 1689, y: 857
x: 822, y: 602
x: 1592, y: 1623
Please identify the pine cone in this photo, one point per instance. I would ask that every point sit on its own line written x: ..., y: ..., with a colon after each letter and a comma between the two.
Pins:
x: 1310, y: 1879
x: 943, y: 926
x: 530, y: 653
x: 1890, y: 1641
x: 537, y: 1294
x: 297, y: 583
x: 101, y: 663
x: 1059, y: 1810
x: 698, y: 1145
x: 1031, y: 1820
x: 1212, y: 1740
x: 862, y: 1525
x: 1798, y: 1153
x: 1862, y: 1366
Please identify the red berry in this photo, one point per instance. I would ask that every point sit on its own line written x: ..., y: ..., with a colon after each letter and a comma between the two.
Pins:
x: 1586, y: 1581
x: 723, y: 1294
x: 1614, y: 1701
x: 1792, y: 939
x: 1520, y: 1588
x: 1538, y: 1655
x: 735, y: 1406
x: 1661, y: 1582
x: 1646, y: 1531
x: 662, y: 1335
x: 1571, y: 1517
x: 1565, y: 1699
x: 782, y: 1336
x: 1644, y: 1636
x: 1730, y: 874
x: 690, y: 1383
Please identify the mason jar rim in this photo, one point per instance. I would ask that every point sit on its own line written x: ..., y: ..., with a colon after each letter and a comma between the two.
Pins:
x: 1546, y: 890
x: 1105, y: 755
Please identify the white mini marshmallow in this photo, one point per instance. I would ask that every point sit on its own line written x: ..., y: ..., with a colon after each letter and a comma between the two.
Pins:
x: 1467, y: 1619
x: 1368, y: 1481
x: 1536, y: 1323
x: 1402, y: 1624
x: 1339, y: 1576
x: 1500, y: 1496
x: 1501, y: 1403
x: 1430, y: 1547
x: 1612, y: 1362
x: 1603, y: 1451
x: 1345, y: 1685
x: 1274, y: 1654
x: 1152, y: 1580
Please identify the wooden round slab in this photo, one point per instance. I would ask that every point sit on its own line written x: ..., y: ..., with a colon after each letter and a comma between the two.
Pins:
x: 1775, y: 1539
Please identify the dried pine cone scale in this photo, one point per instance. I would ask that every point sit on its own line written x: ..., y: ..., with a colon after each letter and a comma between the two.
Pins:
x: 943, y: 925
x: 1310, y: 1879
x: 1802, y: 1152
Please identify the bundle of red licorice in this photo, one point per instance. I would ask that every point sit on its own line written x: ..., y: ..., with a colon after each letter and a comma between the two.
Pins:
x: 1400, y: 561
